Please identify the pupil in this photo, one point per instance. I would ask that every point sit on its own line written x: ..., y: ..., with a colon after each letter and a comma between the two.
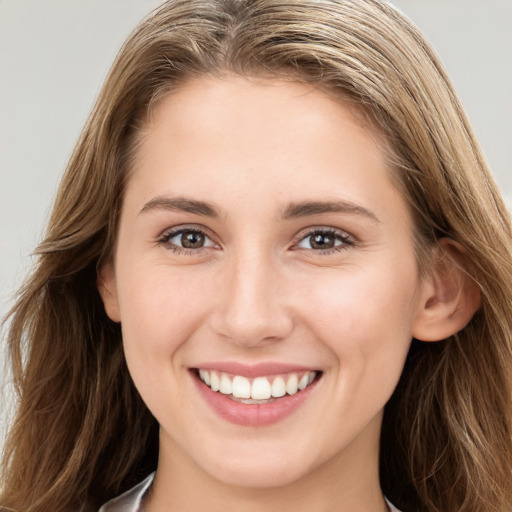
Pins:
x: 192, y: 240
x: 322, y: 242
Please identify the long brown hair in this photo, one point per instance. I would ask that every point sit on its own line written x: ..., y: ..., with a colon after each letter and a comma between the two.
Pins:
x: 82, y: 434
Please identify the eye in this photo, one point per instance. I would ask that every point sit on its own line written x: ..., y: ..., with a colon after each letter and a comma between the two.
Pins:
x: 325, y: 239
x: 189, y: 239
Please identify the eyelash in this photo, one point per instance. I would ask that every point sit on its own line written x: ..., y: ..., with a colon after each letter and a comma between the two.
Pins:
x: 338, y: 235
x: 166, y: 238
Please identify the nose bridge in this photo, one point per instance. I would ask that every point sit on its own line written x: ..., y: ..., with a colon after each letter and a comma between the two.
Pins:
x: 253, y: 307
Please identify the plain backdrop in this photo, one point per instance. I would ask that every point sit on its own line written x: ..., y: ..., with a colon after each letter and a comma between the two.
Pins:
x: 54, y: 55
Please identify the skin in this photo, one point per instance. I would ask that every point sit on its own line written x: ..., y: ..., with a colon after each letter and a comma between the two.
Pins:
x: 258, y: 291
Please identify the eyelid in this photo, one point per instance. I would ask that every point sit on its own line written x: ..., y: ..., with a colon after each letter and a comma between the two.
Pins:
x: 347, y: 239
x: 170, y: 233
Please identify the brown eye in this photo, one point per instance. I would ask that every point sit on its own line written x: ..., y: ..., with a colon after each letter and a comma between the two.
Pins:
x: 325, y: 240
x: 321, y: 241
x: 192, y: 240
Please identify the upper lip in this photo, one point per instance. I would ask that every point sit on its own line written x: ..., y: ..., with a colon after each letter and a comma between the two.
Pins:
x: 254, y: 370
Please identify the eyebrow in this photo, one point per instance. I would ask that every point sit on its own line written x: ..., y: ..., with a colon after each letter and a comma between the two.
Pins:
x: 307, y: 208
x: 180, y: 204
x: 293, y: 211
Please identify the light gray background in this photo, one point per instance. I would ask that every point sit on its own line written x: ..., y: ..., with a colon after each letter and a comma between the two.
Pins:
x: 54, y: 55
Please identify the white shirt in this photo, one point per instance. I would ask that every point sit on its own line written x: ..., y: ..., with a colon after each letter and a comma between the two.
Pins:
x: 131, y: 500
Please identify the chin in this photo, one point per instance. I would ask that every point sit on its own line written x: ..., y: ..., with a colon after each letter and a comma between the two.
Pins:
x: 260, y: 477
x: 257, y: 470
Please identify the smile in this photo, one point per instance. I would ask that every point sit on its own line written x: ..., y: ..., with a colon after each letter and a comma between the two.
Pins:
x: 259, y: 397
x: 258, y: 390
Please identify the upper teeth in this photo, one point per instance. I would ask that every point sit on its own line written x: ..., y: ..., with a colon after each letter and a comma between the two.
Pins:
x: 261, y: 388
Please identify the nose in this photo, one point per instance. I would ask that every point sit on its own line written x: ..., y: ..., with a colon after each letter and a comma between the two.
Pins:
x: 252, y: 308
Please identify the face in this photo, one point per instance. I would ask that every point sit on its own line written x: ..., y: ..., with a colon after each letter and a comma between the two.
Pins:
x: 263, y: 248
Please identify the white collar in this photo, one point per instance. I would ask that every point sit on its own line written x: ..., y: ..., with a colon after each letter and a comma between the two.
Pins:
x: 129, y: 501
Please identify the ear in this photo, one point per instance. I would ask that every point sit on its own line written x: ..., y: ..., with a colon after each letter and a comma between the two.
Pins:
x: 450, y: 297
x: 106, y: 284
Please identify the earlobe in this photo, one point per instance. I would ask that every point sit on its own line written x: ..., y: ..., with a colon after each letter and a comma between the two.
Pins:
x: 107, y: 288
x: 450, y: 297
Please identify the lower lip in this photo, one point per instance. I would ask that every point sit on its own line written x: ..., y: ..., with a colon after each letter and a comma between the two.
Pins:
x: 252, y: 415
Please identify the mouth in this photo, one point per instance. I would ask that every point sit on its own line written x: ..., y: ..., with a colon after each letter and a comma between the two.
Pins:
x: 255, y: 401
x: 258, y: 390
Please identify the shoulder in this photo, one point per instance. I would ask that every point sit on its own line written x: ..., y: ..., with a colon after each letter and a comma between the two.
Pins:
x: 129, y: 501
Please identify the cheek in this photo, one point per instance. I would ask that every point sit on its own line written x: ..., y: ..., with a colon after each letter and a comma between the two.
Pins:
x: 365, y: 314
x: 159, y: 311
x: 364, y: 317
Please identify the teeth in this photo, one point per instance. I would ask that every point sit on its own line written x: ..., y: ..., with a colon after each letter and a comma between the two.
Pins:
x: 214, y: 381
x: 241, y: 387
x: 205, y: 376
x: 225, y: 385
x: 304, y: 381
x: 278, y: 387
x: 260, y: 389
x: 292, y: 384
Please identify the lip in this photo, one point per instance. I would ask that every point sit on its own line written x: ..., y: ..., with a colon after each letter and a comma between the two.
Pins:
x: 253, y: 415
x: 254, y: 370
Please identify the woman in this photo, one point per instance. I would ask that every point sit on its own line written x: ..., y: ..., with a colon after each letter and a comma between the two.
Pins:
x: 268, y: 203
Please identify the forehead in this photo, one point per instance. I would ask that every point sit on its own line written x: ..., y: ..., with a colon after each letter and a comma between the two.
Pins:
x: 256, y: 112
x: 208, y: 97
x: 236, y: 137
